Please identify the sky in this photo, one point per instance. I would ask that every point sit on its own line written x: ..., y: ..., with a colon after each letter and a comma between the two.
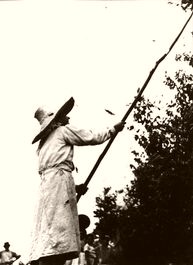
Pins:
x: 99, y: 52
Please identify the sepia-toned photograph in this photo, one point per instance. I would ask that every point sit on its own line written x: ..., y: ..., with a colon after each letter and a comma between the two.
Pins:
x: 96, y: 134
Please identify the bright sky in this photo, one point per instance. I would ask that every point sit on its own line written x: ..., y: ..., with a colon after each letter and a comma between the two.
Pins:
x: 99, y: 52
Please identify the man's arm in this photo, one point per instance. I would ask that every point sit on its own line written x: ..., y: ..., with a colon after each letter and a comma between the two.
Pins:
x: 75, y: 136
x: 15, y: 257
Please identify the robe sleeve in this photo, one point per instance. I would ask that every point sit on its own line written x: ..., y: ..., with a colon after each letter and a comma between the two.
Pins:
x: 75, y: 136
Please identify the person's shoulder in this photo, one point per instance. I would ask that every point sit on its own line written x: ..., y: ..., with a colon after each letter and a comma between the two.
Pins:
x: 63, y: 127
x: 67, y: 128
x: 14, y: 254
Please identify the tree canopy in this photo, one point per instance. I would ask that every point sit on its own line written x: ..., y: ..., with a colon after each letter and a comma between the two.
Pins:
x: 155, y: 224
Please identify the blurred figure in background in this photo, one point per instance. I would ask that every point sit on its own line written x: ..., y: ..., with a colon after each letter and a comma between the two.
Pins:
x: 89, y: 250
x: 84, y: 223
x: 7, y: 257
x: 107, y: 251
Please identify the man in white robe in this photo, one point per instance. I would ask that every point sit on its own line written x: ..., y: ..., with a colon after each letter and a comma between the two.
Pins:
x: 56, y: 236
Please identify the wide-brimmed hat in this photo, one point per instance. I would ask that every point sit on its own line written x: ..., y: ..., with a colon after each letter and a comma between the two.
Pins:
x: 47, y: 119
x: 84, y: 221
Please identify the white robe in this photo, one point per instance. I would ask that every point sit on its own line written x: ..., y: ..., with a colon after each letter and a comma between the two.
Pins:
x: 56, y: 228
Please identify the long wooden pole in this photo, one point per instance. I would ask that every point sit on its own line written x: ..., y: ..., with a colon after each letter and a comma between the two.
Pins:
x: 133, y: 105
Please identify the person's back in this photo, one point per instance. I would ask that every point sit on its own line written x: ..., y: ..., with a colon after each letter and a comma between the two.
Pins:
x: 58, y: 148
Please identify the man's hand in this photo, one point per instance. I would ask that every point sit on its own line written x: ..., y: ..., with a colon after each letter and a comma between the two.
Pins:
x: 81, y: 189
x: 119, y: 126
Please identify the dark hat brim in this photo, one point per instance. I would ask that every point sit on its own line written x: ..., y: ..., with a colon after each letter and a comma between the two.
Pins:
x: 63, y: 111
x: 84, y: 221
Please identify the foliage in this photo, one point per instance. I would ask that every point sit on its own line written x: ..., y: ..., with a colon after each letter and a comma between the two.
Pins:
x: 155, y: 226
x: 160, y: 200
x: 185, y: 4
x: 107, y: 212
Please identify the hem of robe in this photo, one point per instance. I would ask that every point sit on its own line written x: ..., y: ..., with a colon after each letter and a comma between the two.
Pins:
x: 58, y: 257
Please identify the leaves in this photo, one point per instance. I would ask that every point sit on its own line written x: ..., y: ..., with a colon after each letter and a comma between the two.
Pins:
x: 155, y: 224
x: 185, y: 4
x: 160, y: 201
